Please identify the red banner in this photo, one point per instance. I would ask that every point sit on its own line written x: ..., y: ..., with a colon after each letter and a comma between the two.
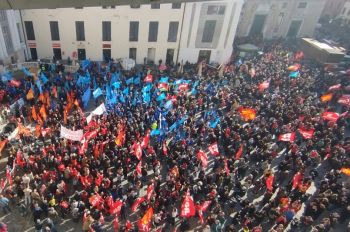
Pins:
x: 214, y: 150
x: 203, y: 158
x: 187, y: 207
x: 148, y: 78
x: 335, y: 87
x: 138, y: 168
x: 138, y: 150
x: 297, y: 180
x: 344, y: 100
x: 226, y: 167
x: 137, y: 203
x: 269, y: 182
x: 289, y: 137
x: 306, y: 134
x: 150, y: 190
x: 330, y: 116
x: 239, y: 152
x: 145, y: 140
x: 264, y: 85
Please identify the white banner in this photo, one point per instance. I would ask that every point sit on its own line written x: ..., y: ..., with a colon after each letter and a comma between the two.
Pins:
x: 71, y: 135
x: 98, y: 111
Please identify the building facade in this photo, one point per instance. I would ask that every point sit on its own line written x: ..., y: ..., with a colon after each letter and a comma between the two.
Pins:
x: 12, y: 42
x: 333, y: 8
x: 345, y: 13
x: 167, y: 32
x: 280, y: 18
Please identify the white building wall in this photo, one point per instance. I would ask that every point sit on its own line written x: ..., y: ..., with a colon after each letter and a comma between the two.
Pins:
x: 18, y: 54
x: 120, y: 18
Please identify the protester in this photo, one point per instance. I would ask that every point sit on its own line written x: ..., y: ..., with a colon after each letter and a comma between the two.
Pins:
x: 185, y: 147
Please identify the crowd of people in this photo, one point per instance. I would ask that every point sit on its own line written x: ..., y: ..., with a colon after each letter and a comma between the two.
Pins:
x: 256, y: 145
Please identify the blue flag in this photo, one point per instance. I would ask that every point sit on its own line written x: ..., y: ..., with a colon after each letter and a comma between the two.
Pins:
x: 178, y: 82
x: 43, y: 78
x: 137, y: 80
x: 38, y: 84
x: 161, y: 97
x: 85, y: 64
x: 294, y: 74
x: 168, y: 105
x: 116, y: 85
x: 26, y: 72
x: 126, y: 91
x: 155, y: 132
x: 121, y: 98
x: 214, y: 123
x: 97, y: 92
x: 164, y: 80
x: 86, y: 97
x: 129, y: 81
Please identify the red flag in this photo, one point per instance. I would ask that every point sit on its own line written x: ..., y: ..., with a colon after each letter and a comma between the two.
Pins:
x: 45, y: 131
x: 165, y: 149
x: 138, y: 168
x: 202, y: 208
x: 214, y: 150
x: 95, y: 200
x: 116, y: 207
x: 226, y: 167
x: 116, y: 224
x: 183, y: 87
x: 247, y: 113
x: 335, y: 87
x: 344, y: 100
x: 150, y: 190
x: 136, y: 204
x: 98, y: 179
x: 264, y: 85
x: 187, y: 207
x: 297, y: 180
x: 269, y: 182
x: 148, y: 78
x: 145, y: 223
x: 8, y: 176
x: 145, y: 140
x: 330, y: 116
x: 2, y: 184
x: 163, y: 86
x: 90, y: 135
x: 138, y: 150
x: 307, y: 134
x: 239, y: 152
x: 289, y: 137
x: 344, y: 114
x: 203, y: 158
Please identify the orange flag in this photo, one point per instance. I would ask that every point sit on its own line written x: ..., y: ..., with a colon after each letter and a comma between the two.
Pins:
x: 346, y: 171
x: 119, y: 141
x: 37, y: 130
x: 34, y: 114
x: 23, y: 130
x: 42, y: 98
x: 30, y: 94
x: 43, y: 112
x: 3, y: 144
x: 145, y: 222
x: 326, y: 97
x: 47, y: 99
x: 247, y: 113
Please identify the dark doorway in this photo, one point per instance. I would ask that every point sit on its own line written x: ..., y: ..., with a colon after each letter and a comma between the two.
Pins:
x: 294, y: 28
x: 169, y: 56
x: 258, y: 25
x: 57, y: 53
x: 81, y: 54
x: 107, y: 54
x: 33, y: 54
x: 204, y: 55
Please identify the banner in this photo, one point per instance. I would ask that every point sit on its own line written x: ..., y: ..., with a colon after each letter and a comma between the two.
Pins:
x: 187, y: 207
x: 344, y: 100
x: 71, y: 135
x: 98, y: 111
x: 239, y: 152
x: 269, y: 182
x: 289, y: 137
x: 203, y: 158
x: 307, y: 134
x: 330, y: 116
x: 214, y: 150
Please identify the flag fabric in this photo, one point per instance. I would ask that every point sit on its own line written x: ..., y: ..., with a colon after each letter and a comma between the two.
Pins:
x: 288, y: 137
x: 214, y: 123
x: 26, y: 72
x: 97, y: 92
x: 86, y: 97
x: 155, y: 132
x: 144, y: 225
x: 294, y: 74
x: 119, y: 141
x: 297, y: 178
x: 269, y: 182
x: 139, y: 168
x: 264, y: 85
x: 294, y: 67
x: 148, y: 78
x: 164, y: 148
x: 15, y: 83
x: 163, y: 87
x: 116, y: 224
x: 145, y: 140
x: 43, y: 78
x: 202, y: 208
x: 129, y: 81
x: 116, y: 84
x: 239, y: 152
x: 150, y: 190
x: 346, y: 171
x: 126, y: 91
x: 187, y: 207
x: 137, y: 80
x: 213, y: 148
x: 227, y: 170
x: 136, y: 204
x: 30, y: 94
x: 201, y: 156
x: 330, y: 116
x: 334, y: 87
x: 326, y: 97
x: 306, y: 134
x: 116, y: 207
x: 344, y: 100
x: 164, y: 80
x: 168, y: 105
x: 161, y: 97
x: 95, y: 200
x: 183, y: 87
x: 43, y: 112
x: 247, y: 113
x: 3, y: 144
x: 138, y: 151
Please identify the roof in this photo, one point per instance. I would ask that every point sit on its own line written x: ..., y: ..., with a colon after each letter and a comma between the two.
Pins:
x: 324, y: 46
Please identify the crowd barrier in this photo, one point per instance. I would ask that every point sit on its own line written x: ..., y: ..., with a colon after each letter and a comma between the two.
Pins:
x: 28, y: 65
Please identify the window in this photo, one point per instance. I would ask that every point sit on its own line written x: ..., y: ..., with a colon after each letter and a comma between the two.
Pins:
x: 33, y: 54
x: 80, y: 31
x: 55, y: 34
x: 176, y: 5
x: 29, y: 30
x: 19, y: 31
x: 216, y: 10
x: 155, y: 6
x: 107, y: 54
x: 172, y: 34
x: 3, y: 16
x: 7, y: 38
x: 204, y: 55
x: 151, y: 55
x: 153, y: 32
x: 57, y: 53
x: 285, y: 4
x: 208, y: 32
x: 81, y: 54
x: 302, y: 5
x: 132, y: 53
x: 106, y: 31
x: 134, y: 6
x: 134, y: 31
